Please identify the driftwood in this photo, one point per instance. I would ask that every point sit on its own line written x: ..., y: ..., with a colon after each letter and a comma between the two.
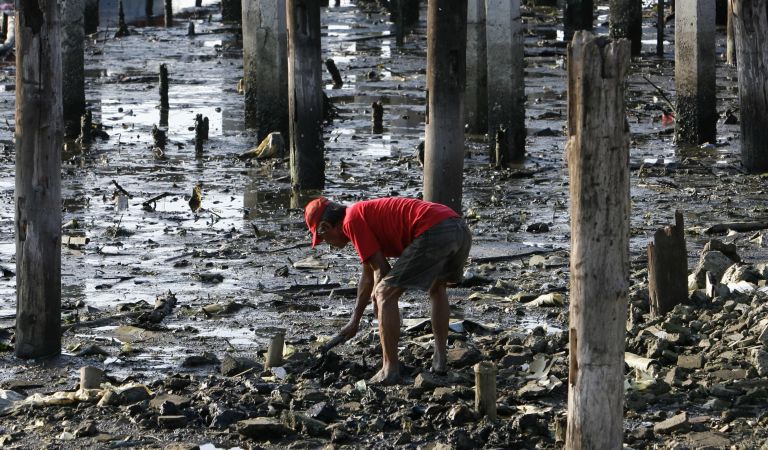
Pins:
x: 150, y: 204
x: 737, y: 226
x: 120, y: 188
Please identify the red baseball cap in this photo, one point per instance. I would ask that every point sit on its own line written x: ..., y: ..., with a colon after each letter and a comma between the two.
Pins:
x: 313, y: 212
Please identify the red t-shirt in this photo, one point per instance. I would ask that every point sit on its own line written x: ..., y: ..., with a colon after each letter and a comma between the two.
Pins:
x: 390, y: 224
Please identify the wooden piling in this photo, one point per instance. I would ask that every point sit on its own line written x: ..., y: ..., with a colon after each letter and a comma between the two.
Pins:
x: 598, y: 164
x: 159, y: 137
x: 335, y: 74
x: 667, y: 268
x: 164, y: 87
x: 696, y: 116
x: 750, y: 22
x: 265, y: 67
x: 485, y: 389
x: 201, y: 132
x: 168, y: 13
x: 38, y: 136
x: 626, y: 21
x: 274, y: 356
x: 730, y: 40
x: 660, y: 19
x: 377, y: 116
x: 506, y: 84
x: 122, y: 27
x: 4, y: 33
x: 86, y: 123
x: 476, y: 90
x: 91, y: 377
x: 578, y: 15
x: 91, y: 23
x: 305, y: 95
x: 149, y: 9
x: 444, y: 143
x: 72, y: 61
x: 231, y: 10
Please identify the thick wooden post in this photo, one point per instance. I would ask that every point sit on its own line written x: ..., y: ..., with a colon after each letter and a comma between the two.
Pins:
x: 485, y: 389
x: 598, y: 167
x: 695, y: 72
x: 164, y: 87
x: 231, y: 10
x: 305, y: 95
x: 578, y: 15
x: 660, y: 17
x: 265, y: 66
x: 72, y: 60
x: 506, y: 83
x: 39, y: 137
x: 149, y: 9
x: 668, y: 268
x: 476, y: 92
x: 730, y: 38
x: 751, y: 29
x: 91, y: 23
x: 626, y: 21
x: 444, y: 142
x: 274, y: 356
x: 168, y: 13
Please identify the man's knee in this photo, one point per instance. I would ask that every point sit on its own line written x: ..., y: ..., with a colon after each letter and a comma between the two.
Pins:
x: 437, y: 289
x: 387, y: 295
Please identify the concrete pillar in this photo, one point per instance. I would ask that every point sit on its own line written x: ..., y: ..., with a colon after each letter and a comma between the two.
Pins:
x: 305, y: 95
x: 72, y: 13
x: 578, y: 15
x: 626, y: 21
x: 444, y: 142
x: 265, y: 66
x: 91, y: 16
x: 506, y: 83
x: 695, y: 72
x: 476, y: 92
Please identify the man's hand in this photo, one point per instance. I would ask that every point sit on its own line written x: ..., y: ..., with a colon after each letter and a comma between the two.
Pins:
x: 350, y: 329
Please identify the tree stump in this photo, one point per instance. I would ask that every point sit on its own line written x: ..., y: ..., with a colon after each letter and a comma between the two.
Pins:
x: 598, y: 165
x: 668, y: 268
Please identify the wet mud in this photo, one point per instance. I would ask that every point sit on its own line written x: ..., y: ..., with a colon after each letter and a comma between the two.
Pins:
x: 240, y: 269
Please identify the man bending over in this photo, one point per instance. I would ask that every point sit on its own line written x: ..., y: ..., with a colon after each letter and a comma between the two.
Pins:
x: 431, y: 243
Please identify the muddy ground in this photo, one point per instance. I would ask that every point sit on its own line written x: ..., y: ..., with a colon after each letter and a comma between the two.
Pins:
x: 177, y: 307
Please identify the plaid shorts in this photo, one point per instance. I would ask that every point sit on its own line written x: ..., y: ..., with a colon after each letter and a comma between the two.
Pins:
x: 438, y: 254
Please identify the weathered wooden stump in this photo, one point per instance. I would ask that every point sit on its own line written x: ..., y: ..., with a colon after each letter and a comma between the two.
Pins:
x: 444, y: 143
x: 122, y: 27
x: 485, y: 389
x: 598, y: 166
x: 231, y: 10
x: 86, y: 124
x: 168, y: 17
x: 660, y: 22
x: 668, y: 268
x: 149, y: 9
x: 91, y: 23
x: 38, y: 136
x: 72, y: 60
x: 164, y: 87
x: 335, y: 74
x: 91, y: 377
x: 377, y: 116
x: 305, y: 95
x: 274, y: 356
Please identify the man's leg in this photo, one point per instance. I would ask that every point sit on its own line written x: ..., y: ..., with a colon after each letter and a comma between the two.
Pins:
x: 440, y: 317
x: 389, y: 333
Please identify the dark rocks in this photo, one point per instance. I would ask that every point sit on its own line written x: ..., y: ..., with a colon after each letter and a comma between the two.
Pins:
x: 690, y: 361
x: 427, y: 381
x: 675, y: 423
x: 177, y: 400
x: 460, y: 414
x: 222, y: 417
x: 200, y: 360
x: 172, y: 422
x: 323, y: 412
x: 262, y: 428
x: 86, y: 430
x: 463, y: 356
x: 303, y: 424
x: 231, y: 365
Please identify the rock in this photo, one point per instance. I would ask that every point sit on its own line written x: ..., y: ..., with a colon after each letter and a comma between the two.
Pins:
x: 444, y: 394
x: 110, y: 398
x: 642, y: 433
x: 707, y: 440
x: 323, y: 412
x: 200, y: 360
x: 8, y: 398
x: 461, y: 440
x: 86, y: 430
x: 760, y: 361
x: 690, y: 361
x: 262, y: 428
x: 223, y: 417
x: 304, y: 424
x: 538, y: 227
x: 714, y: 262
x: 231, y: 366
x: 403, y: 439
x: 427, y: 381
x: 674, y: 423
x: 716, y: 404
x: 172, y: 422
x: 740, y: 272
x: 133, y: 393
x: 176, y: 382
x: 729, y: 250
x: 168, y: 408
x: 532, y: 390
x: 460, y: 414
x: 463, y: 356
x: 178, y: 400
x: 725, y: 374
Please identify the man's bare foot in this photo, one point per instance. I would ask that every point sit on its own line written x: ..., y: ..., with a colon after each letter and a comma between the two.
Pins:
x: 439, y: 363
x: 383, y: 378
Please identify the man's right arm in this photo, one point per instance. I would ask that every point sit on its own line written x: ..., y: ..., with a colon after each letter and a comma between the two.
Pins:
x: 364, y: 290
